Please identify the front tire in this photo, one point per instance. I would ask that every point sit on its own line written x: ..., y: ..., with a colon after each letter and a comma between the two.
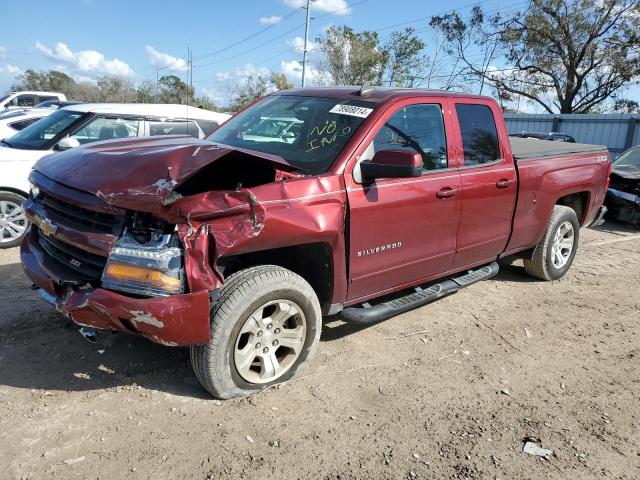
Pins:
x: 13, y: 222
x: 265, y: 329
x: 554, y: 254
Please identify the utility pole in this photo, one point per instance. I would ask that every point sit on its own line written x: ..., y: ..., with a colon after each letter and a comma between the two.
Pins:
x: 189, y: 74
x: 190, y: 70
x: 306, y: 43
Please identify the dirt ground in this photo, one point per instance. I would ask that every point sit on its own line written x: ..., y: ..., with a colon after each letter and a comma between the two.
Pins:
x: 451, y: 390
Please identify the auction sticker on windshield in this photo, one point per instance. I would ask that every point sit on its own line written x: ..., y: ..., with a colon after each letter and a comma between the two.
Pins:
x: 352, y: 110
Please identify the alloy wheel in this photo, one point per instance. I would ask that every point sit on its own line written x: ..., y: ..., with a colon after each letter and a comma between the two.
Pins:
x: 562, y: 246
x: 270, y: 341
x: 13, y: 222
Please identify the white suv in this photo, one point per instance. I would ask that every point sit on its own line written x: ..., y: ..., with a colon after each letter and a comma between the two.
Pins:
x: 28, y: 99
x: 76, y: 125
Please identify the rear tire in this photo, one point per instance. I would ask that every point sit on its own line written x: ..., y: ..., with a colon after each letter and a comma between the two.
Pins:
x: 554, y: 254
x: 265, y: 329
x: 13, y: 222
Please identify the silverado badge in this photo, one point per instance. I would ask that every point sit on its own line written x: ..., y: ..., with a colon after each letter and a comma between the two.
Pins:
x: 381, y: 248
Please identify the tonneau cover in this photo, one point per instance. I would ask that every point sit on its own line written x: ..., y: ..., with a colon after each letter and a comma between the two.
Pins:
x: 528, y: 148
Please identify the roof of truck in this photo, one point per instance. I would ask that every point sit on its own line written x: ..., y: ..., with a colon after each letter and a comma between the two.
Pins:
x: 372, y: 94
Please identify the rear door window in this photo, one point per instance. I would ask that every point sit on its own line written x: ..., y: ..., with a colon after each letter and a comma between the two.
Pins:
x: 174, y: 127
x: 26, y: 100
x: 479, y: 134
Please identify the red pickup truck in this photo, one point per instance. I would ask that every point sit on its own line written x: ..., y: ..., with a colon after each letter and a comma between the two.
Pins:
x: 320, y: 201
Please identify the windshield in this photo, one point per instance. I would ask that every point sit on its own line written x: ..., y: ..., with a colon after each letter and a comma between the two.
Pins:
x: 630, y: 157
x: 4, y: 97
x: 38, y: 134
x: 308, y: 132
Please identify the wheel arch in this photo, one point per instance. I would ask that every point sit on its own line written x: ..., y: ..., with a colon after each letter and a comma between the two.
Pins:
x: 14, y: 190
x: 578, y: 202
x: 312, y: 261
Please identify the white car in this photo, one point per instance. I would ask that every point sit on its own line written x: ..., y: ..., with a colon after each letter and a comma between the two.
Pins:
x: 26, y: 99
x: 13, y: 121
x: 76, y: 125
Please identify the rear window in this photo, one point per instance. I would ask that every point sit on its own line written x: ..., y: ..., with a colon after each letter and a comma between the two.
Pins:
x: 479, y: 134
x: 23, y: 123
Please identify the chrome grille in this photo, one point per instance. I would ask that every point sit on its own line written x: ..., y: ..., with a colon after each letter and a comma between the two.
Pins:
x: 67, y: 213
x: 86, y: 265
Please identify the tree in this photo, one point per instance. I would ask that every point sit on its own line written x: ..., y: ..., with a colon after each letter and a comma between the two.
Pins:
x: 146, y: 92
x: 51, y: 81
x: 406, y: 63
x: 280, y: 81
x: 626, y: 105
x: 173, y: 90
x: 114, y: 89
x: 244, y: 93
x: 206, y: 103
x: 350, y: 58
x: 567, y: 56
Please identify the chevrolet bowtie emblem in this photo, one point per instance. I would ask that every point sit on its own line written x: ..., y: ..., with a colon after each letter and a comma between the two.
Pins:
x: 47, y: 227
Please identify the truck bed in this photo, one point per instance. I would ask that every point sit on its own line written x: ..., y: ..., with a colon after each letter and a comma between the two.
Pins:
x: 530, y: 148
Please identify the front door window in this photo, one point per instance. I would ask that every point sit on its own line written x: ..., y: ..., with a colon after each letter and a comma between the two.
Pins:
x: 107, y: 128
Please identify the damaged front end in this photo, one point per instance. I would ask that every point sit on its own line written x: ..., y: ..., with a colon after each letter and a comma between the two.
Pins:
x: 623, y: 196
x: 141, y: 288
x: 129, y: 249
x: 146, y: 262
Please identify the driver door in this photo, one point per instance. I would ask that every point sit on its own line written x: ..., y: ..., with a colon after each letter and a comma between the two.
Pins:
x: 402, y: 231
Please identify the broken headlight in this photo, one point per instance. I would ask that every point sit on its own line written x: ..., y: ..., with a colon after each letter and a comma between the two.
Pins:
x: 152, y: 267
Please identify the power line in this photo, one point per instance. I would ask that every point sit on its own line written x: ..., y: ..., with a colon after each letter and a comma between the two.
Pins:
x: 523, y: 2
x: 240, y: 42
x: 228, y: 47
x: 419, y: 19
x: 267, y: 60
x: 249, y: 50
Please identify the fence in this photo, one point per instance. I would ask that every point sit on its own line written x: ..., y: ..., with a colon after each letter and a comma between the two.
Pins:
x: 617, y: 131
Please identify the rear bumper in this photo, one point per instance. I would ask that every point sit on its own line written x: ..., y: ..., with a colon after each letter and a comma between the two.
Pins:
x: 599, y: 220
x: 179, y: 320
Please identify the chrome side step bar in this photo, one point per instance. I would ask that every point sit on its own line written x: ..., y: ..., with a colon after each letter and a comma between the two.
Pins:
x: 369, y: 314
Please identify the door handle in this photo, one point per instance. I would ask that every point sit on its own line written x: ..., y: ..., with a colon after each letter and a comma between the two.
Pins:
x: 446, y: 192
x: 504, y: 183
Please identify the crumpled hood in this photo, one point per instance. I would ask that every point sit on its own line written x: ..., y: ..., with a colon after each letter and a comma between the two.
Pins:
x: 628, y: 172
x: 142, y: 171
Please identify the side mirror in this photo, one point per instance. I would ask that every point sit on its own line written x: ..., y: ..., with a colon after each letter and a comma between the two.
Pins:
x: 66, y: 143
x: 392, y: 164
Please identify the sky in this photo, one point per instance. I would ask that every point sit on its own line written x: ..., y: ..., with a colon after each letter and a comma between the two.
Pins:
x: 230, y: 40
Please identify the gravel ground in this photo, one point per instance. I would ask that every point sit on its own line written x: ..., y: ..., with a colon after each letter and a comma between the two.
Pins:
x: 451, y: 390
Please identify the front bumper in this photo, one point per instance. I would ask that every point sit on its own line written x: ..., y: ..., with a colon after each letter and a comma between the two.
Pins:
x: 623, y: 206
x: 178, y: 320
